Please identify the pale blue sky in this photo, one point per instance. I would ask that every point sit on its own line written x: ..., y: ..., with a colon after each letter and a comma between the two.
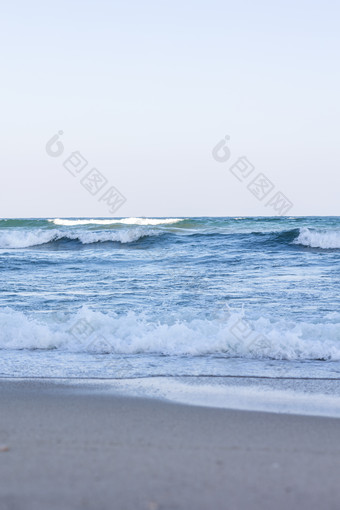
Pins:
x: 145, y: 90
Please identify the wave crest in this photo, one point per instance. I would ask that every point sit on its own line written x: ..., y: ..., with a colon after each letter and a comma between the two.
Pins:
x: 326, y: 240
x: 125, y: 221
x: 89, y: 331
x: 26, y: 239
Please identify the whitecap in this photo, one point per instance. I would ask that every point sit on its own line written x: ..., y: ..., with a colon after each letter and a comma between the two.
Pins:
x: 328, y: 239
x: 24, y: 239
x: 125, y: 221
x: 133, y: 333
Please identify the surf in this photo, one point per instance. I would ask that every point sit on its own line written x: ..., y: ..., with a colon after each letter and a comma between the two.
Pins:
x: 28, y: 239
x: 91, y: 331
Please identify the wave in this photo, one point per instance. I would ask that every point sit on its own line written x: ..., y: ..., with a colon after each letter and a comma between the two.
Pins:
x: 96, y: 332
x: 25, y: 239
x: 316, y: 239
x: 14, y: 238
x: 126, y: 221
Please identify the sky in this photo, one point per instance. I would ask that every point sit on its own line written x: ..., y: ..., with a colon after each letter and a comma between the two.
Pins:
x: 143, y: 93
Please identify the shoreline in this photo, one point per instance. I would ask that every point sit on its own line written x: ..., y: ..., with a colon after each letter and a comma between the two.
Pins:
x: 70, y: 446
x: 280, y: 395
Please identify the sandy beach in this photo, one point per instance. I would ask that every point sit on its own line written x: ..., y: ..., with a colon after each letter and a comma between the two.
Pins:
x: 74, y: 448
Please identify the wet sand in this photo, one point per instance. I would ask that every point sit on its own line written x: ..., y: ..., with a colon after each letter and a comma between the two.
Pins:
x: 70, y: 447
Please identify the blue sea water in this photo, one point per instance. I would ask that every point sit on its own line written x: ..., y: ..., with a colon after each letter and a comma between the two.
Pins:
x: 175, y: 297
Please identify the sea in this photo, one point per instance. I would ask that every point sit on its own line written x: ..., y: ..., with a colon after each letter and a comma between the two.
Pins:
x: 239, y: 312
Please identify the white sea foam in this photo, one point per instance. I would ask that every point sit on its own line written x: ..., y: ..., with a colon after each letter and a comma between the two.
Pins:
x: 25, y: 239
x: 126, y: 221
x: 227, y: 396
x: 132, y: 334
x: 123, y: 236
x: 315, y: 239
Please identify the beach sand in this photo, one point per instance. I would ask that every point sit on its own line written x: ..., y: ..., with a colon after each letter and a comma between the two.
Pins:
x: 74, y: 447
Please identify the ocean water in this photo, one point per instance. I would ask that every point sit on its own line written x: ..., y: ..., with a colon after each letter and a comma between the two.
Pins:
x: 170, y: 297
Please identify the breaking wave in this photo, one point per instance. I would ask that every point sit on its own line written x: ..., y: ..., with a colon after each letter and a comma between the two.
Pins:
x: 126, y: 221
x: 15, y: 238
x: 96, y: 332
x: 315, y: 239
x: 25, y: 239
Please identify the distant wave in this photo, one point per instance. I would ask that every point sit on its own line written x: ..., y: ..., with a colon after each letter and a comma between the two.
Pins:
x: 126, y: 221
x: 25, y: 239
x: 132, y: 334
x: 315, y: 239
